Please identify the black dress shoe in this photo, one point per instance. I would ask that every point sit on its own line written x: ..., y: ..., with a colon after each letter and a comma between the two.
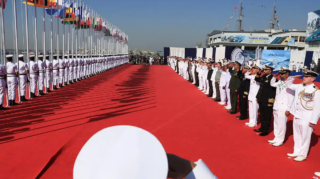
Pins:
x: 2, y: 108
x: 263, y: 134
x: 217, y: 100
x: 257, y: 130
x: 232, y: 112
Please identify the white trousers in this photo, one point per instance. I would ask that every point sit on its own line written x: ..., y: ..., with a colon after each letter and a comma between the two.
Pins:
x: 22, y: 84
x: 33, y: 83
x: 207, y: 84
x: 55, y: 77
x: 75, y: 71
x: 200, y: 82
x: 279, y: 125
x: 2, y: 90
x: 70, y: 73
x: 66, y: 74
x: 12, y: 85
x: 301, y: 136
x: 47, y: 80
x: 228, y: 96
x: 253, y: 112
x: 78, y: 72
x: 61, y: 76
x: 214, y: 95
x: 186, y: 75
x: 222, y: 94
x: 204, y: 83
x: 41, y: 81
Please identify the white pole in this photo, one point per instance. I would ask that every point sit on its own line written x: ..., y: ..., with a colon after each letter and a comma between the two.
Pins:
x: 4, y: 46
x: 16, y: 42
x: 63, y: 43
x: 51, y: 46
x: 27, y: 44
x: 68, y: 80
x: 44, y: 41
x: 35, y: 37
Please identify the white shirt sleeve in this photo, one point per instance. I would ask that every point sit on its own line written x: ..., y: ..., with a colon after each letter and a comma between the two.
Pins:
x: 316, y: 108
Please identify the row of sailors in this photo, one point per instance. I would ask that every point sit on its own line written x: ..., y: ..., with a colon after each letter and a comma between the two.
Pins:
x: 258, y: 89
x: 59, y: 71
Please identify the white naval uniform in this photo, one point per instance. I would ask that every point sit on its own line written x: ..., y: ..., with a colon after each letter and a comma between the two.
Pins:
x: 61, y: 71
x: 283, y: 97
x: 66, y: 70
x: 3, y: 71
x: 55, y: 72
x: 200, y: 71
x: 252, y: 99
x: 213, y: 81
x: 23, y: 68
x: 75, y: 69
x: 78, y: 68
x: 221, y: 85
x: 42, y: 67
x: 48, y: 73
x: 204, y: 78
x: 302, y: 117
x: 228, y: 78
x: 12, y: 69
x: 34, y: 69
x: 71, y: 64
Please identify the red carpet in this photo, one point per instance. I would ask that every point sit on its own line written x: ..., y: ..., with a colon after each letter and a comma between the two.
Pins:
x: 41, y: 138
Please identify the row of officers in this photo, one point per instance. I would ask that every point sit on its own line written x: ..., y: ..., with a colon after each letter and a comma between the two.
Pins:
x: 274, y: 95
x: 44, y: 74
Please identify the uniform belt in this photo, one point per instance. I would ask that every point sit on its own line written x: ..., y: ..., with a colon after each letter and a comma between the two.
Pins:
x: 22, y: 74
x: 33, y: 73
x: 11, y: 75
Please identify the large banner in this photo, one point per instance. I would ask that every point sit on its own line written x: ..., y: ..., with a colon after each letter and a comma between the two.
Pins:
x: 257, y: 40
x: 242, y: 55
x: 313, y: 26
x: 276, y: 58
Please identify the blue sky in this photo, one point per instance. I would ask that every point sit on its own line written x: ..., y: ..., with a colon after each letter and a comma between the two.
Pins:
x: 155, y: 24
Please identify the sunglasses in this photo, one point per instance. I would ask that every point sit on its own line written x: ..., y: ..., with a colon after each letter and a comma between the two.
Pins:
x: 282, y: 73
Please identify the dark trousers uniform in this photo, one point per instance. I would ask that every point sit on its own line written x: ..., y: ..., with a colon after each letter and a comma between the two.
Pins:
x: 217, y: 91
x: 210, y: 88
x: 243, y: 105
x: 265, y: 117
x: 197, y: 78
x: 234, y: 100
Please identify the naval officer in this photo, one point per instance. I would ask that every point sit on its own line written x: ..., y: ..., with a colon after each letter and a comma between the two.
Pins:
x: 34, y: 73
x: 12, y: 73
x: 48, y: 73
x: 42, y: 67
x: 253, y: 104
x: 284, y: 96
x: 3, y: 73
x: 306, y: 111
x: 265, y: 97
x: 234, y: 86
x: 23, y: 72
x: 55, y: 67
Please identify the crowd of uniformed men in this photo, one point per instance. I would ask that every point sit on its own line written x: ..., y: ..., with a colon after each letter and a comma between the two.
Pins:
x: 43, y: 73
x: 259, y: 89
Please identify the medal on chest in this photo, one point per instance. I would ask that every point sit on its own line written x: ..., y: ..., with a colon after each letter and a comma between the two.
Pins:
x: 306, y: 100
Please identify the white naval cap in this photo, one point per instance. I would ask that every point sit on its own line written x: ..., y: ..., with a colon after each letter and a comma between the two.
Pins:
x: 40, y: 56
x: 20, y: 56
x: 9, y: 56
x: 31, y: 55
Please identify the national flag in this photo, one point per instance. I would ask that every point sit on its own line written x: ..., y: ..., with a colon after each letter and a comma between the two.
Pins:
x: 4, y: 3
x: 62, y: 12
x: 39, y: 3
x: 56, y: 5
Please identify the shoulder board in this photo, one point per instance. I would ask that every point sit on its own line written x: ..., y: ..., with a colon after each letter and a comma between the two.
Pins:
x: 316, y: 87
x: 301, y: 83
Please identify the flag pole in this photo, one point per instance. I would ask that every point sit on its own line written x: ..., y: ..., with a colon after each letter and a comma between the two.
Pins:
x: 36, y: 38
x: 4, y: 46
x: 51, y: 48
x: 68, y: 80
x: 27, y: 44
x: 63, y: 42
x: 72, y: 39
x: 44, y: 44
x: 77, y: 33
x: 16, y: 44
x: 58, y: 52
x: 83, y: 45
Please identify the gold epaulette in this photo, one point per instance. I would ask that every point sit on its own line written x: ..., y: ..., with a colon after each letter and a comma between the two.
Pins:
x: 271, y: 100
x: 246, y: 93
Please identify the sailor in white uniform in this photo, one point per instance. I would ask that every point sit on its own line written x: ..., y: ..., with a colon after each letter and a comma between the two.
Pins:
x: 23, y: 72
x: 48, y: 73
x: 55, y: 64
x: 12, y: 73
x: 61, y: 71
x: 3, y: 72
x: 42, y: 67
x: 34, y: 74
x: 227, y: 79
x: 284, y: 96
x: 66, y: 70
x: 253, y: 104
x: 71, y: 69
x: 306, y: 111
